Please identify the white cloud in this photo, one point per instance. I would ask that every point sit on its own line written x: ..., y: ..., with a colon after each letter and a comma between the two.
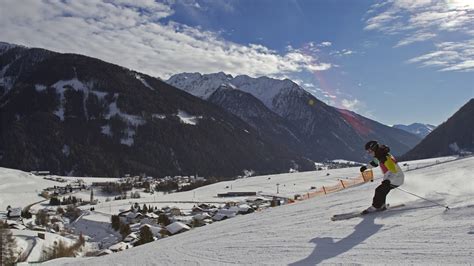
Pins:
x: 324, y: 44
x: 449, y: 56
x: 424, y: 20
x: 133, y: 34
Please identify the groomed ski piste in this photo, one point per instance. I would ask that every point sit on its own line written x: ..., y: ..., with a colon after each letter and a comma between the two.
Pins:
x: 303, y: 234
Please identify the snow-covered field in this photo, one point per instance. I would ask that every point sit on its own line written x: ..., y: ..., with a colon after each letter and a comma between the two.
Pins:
x: 28, y: 242
x: 302, y: 233
x: 18, y: 188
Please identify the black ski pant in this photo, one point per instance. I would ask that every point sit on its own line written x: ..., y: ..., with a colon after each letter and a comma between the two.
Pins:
x: 381, y: 193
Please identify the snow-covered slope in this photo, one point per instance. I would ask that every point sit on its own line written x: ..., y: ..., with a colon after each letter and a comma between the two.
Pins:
x: 18, y: 188
x: 33, y: 246
x: 302, y: 233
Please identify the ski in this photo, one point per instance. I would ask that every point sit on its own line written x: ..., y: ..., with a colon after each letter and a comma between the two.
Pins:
x: 350, y: 215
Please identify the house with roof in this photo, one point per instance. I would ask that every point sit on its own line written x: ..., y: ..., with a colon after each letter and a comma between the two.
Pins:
x: 202, y: 216
x: 177, y: 227
x: 120, y: 246
x: 196, y: 210
x: 13, y: 212
x: 223, y: 214
x: 244, y: 209
x: 15, y: 225
x: 131, y: 238
x: 146, y: 220
x: 104, y: 252
x: 182, y: 218
x: 205, y: 208
x: 152, y: 215
x: 135, y: 227
x: 130, y: 217
x: 155, y: 230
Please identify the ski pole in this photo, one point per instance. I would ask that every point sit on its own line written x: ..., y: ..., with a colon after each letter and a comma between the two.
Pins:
x: 447, y: 207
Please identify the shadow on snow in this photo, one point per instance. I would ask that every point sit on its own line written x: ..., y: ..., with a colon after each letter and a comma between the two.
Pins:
x: 327, y: 248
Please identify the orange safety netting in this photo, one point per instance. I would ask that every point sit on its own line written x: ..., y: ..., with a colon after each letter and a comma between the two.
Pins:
x: 366, y: 176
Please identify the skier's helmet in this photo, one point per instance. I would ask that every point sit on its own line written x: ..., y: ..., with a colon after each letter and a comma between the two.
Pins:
x: 371, y: 145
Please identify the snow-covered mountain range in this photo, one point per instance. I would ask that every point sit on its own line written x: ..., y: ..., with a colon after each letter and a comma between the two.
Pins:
x: 321, y: 131
x: 75, y: 115
x: 263, y: 88
x: 419, y: 129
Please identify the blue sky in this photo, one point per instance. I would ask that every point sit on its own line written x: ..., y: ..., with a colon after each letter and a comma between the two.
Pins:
x: 397, y: 61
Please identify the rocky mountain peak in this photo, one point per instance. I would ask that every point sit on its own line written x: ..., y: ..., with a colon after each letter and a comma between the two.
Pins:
x: 263, y: 88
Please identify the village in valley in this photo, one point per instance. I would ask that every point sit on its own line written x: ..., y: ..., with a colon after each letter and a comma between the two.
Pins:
x: 99, y: 216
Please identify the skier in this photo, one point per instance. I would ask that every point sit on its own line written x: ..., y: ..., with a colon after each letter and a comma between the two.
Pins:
x: 392, y: 174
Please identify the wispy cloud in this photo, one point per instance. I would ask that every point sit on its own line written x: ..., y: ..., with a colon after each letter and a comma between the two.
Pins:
x: 424, y: 20
x: 417, y: 37
x: 133, y: 34
x: 342, y: 52
x: 382, y: 21
x: 449, y: 56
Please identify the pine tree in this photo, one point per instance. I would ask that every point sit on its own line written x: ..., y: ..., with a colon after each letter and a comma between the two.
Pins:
x: 196, y: 223
x: 7, y: 245
x: 145, y: 236
x: 42, y: 218
x: 163, y: 219
x: 81, y: 241
x: 125, y: 230
x: 115, y: 220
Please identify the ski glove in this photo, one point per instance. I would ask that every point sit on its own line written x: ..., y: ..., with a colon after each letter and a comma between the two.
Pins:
x: 363, y: 168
